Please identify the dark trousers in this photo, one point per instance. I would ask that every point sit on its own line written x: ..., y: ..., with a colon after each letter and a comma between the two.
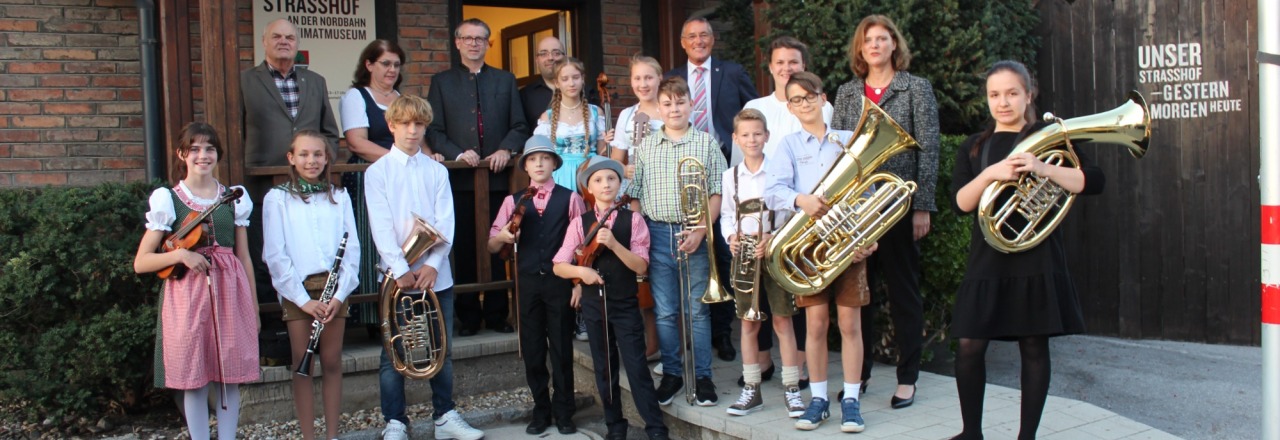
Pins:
x: 898, y: 262
x: 546, y: 322
x: 471, y: 313
x: 723, y: 314
x: 626, y: 335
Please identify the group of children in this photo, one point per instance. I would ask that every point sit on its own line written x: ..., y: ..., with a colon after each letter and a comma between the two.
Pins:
x: 207, y: 334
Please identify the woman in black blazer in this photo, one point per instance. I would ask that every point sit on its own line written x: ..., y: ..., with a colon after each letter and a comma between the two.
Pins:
x: 879, y: 58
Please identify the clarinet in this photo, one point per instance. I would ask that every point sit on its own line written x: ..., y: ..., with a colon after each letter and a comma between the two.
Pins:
x: 330, y: 285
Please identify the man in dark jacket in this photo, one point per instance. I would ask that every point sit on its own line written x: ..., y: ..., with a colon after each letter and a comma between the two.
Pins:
x: 478, y: 116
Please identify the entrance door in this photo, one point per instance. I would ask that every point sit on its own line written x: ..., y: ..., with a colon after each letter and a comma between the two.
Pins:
x: 520, y: 44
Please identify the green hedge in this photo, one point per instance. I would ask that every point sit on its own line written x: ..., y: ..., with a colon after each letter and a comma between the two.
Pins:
x: 76, y: 323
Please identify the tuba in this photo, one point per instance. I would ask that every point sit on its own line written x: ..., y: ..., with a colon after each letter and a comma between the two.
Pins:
x: 1015, y: 216
x: 807, y: 254
x: 745, y: 273
x: 413, y: 330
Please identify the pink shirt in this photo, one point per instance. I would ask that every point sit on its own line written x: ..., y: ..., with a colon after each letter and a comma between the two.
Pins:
x: 573, y: 237
x: 539, y: 201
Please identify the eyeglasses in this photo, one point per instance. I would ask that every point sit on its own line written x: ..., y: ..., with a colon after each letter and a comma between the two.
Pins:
x: 797, y: 100
x: 550, y: 53
x: 388, y: 64
x: 701, y: 36
x: 474, y: 41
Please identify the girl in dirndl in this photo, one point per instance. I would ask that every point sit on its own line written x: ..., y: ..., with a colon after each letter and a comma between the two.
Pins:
x: 207, y: 336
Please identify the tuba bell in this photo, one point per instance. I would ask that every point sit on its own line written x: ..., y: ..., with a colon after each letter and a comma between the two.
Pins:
x: 1015, y: 216
x: 413, y: 330
x: 807, y: 254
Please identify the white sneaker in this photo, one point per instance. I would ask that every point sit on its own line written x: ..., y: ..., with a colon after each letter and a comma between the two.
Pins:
x: 452, y: 426
x: 394, y: 431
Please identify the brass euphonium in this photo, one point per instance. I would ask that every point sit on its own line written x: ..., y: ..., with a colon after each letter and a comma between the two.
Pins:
x: 1015, y: 216
x: 807, y: 254
x: 413, y: 330
x: 694, y: 207
x: 745, y: 269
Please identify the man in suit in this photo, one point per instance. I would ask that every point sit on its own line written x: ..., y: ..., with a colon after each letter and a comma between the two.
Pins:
x: 477, y: 115
x: 278, y: 99
x: 719, y: 89
x: 536, y: 96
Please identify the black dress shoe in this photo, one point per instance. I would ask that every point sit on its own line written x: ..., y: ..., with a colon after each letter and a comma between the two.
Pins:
x: 765, y: 376
x: 804, y: 384
x: 502, y: 328
x: 724, y: 345
x: 537, y: 426
x: 616, y: 434
x: 566, y: 427
x: 467, y: 331
x: 899, y: 403
x: 659, y: 436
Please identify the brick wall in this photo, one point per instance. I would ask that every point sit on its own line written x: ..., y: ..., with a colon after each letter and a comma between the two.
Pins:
x: 70, y: 96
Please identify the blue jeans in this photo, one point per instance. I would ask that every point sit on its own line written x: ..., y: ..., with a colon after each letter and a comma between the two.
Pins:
x: 666, y: 280
x: 391, y: 383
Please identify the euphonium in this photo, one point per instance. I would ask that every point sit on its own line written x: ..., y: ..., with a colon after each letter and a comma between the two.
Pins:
x: 1017, y: 216
x: 413, y: 330
x: 694, y: 207
x: 744, y: 276
x: 807, y: 254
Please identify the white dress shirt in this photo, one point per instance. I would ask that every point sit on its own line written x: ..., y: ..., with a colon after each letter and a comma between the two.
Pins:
x: 301, y: 238
x: 802, y: 160
x: 397, y: 186
x: 780, y: 120
x: 750, y: 185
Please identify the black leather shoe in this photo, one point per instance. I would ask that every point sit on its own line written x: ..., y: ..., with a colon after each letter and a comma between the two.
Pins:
x: 899, y: 403
x: 616, y: 434
x: 566, y: 427
x: 724, y: 345
x: 862, y: 389
x: 765, y: 376
x: 537, y: 426
x: 804, y: 384
x: 659, y: 436
x: 502, y: 328
x: 467, y: 331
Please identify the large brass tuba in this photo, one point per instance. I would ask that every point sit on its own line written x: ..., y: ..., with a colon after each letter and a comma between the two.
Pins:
x: 413, y: 330
x: 1017, y: 216
x: 807, y: 254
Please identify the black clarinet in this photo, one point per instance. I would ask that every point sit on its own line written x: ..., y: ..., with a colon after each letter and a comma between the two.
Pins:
x: 330, y: 285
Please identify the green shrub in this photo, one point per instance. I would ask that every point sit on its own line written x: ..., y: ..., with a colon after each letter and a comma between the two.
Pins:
x: 76, y: 323
x: 952, y: 42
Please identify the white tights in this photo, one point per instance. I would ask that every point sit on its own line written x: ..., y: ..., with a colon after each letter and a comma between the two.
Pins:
x: 196, y: 405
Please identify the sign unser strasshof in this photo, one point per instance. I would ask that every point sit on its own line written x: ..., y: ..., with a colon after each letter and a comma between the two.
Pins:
x: 1176, y: 72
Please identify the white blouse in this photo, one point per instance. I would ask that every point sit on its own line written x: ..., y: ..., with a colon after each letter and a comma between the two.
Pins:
x: 301, y: 238
x: 162, y: 215
x: 352, y: 109
x: 625, y: 127
x: 565, y: 130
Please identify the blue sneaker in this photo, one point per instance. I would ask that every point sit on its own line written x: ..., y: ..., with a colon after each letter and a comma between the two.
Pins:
x: 851, y: 416
x: 813, y: 417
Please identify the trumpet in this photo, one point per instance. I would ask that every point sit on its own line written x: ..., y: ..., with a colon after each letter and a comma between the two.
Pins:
x: 745, y: 273
x: 413, y: 330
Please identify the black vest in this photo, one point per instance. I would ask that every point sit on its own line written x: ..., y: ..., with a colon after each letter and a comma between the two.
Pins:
x: 620, y: 280
x: 542, y: 235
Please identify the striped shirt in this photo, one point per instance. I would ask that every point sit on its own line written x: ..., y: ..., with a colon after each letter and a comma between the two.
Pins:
x: 656, y: 181
x: 288, y: 85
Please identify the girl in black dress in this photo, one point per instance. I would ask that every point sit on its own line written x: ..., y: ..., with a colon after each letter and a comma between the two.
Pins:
x: 1027, y: 296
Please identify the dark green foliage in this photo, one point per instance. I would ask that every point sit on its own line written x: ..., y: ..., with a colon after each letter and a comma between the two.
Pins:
x: 76, y: 323
x: 944, y: 252
x: 952, y: 42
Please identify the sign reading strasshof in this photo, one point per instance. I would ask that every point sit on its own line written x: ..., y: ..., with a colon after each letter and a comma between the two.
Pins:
x: 331, y: 34
x: 1176, y: 72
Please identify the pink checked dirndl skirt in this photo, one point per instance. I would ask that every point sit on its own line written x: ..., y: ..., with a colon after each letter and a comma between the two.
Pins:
x: 209, y: 340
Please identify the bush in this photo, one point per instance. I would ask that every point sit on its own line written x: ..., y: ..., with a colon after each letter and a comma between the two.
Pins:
x: 952, y: 42
x: 76, y: 323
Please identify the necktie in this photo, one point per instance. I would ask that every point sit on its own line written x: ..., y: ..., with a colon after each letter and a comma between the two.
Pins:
x: 700, y: 100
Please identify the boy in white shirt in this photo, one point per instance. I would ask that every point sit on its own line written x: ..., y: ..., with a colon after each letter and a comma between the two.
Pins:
x: 403, y: 183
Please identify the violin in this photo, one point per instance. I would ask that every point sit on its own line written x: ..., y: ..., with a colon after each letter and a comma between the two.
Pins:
x: 513, y: 226
x: 587, y: 252
x: 191, y: 233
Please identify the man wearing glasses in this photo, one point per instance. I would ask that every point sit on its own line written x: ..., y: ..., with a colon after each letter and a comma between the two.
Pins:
x: 718, y: 90
x: 478, y: 116
x: 536, y: 96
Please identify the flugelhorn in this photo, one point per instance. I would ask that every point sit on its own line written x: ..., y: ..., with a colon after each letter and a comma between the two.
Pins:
x: 413, y: 330
x: 744, y: 275
x: 807, y: 254
x: 696, y: 215
x: 1015, y: 216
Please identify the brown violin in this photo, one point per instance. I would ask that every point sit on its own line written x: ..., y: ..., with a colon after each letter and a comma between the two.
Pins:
x: 587, y: 251
x: 191, y: 233
x: 513, y: 226
x: 602, y: 86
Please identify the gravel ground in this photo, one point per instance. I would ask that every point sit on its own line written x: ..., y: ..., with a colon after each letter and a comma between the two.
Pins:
x: 479, y: 410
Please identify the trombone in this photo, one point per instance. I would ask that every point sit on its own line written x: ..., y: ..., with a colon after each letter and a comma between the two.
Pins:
x: 694, y: 207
